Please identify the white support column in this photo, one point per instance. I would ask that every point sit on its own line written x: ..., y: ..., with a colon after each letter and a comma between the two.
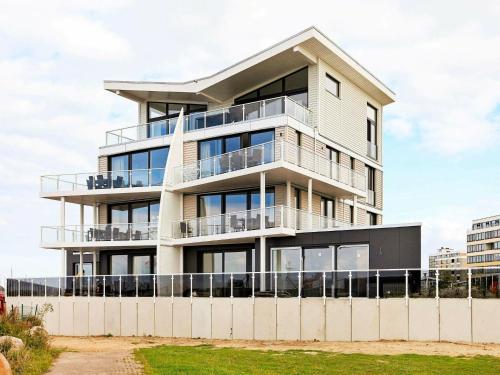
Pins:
x: 82, y: 220
x: 94, y: 262
x: 95, y: 214
x: 355, y: 209
x: 262, y: 200
x: 309, y: 204
x: 62, y: 223
x: 80, y: 271
x: 262, y: 264
x: 289, y: 203
x: 181, y: 259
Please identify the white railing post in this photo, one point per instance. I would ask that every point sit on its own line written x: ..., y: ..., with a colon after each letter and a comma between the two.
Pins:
x: 211, y: 287
x: 172, y: 291
x: 275, y: 287
x: 59, y: 291
x: 378, y: 287
x: 437, y: 286
x: 469, y: 282
x: 231, y: 283
x: 406, y: 287
x: 104, y: 287
x: 120, y: 286
x: 299, y: 281
x: 191, y: 287
x: 154, y: 288
x: 350, y: 287
x: 324, y: 288
x: 136, y: 286
x: 253, y: 286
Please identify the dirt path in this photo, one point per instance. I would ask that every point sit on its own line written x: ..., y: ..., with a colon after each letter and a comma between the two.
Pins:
x: 128, y: 344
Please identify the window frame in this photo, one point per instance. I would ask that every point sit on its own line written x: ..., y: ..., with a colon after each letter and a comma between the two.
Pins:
x: 329, y: 77
x: 167, y: 104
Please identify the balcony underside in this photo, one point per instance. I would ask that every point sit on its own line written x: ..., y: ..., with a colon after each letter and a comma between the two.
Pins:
x: 92, y: 196
x: 230, y: 238
x: 277, y: 173
x: 101, y: 245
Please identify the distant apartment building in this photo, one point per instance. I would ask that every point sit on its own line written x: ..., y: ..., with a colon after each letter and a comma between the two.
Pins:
x: 483, y: 242
x: 448, y: 258
x: 272, y: 164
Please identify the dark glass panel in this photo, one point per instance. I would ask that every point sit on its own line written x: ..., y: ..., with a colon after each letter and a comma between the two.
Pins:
x: 296, y: 81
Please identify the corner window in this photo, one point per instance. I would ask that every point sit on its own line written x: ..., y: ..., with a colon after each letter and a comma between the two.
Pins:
x: 332, y: 85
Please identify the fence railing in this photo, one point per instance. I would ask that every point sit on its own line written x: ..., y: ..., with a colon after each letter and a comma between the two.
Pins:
x: 102, y: 180
x: 99, y: 232
x: 220, y: 117
x: 383, y: 283
x: 248, y: 220
x: 266, y: 153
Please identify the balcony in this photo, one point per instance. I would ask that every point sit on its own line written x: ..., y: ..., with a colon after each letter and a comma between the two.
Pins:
x: 98, y: 186
x: 216, y: 118
x: 99, y: 235
x: 237, y: 226
x: 289, y: 161
x: 371, y: 150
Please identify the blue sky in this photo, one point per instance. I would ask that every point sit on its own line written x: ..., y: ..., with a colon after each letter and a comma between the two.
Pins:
x: 441, y: 137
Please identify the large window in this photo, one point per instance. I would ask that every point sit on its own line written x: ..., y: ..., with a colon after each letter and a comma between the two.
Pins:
x: 143, y: 263
x: 293, y: 85
x: 219, y: 261
x: 137, y: 212
x: 139, y: 169
x: 160, y: 111
x: 332, y: 85
x: 119, y: 264
x: 371, y: 122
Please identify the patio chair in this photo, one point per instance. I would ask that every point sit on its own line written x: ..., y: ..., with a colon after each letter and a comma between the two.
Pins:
x: 99, y: 182
x: 118, y: 183
x: 90, y: 182
x: 185, y: 229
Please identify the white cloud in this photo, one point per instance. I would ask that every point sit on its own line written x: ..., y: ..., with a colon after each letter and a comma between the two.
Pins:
x: 400, y: 128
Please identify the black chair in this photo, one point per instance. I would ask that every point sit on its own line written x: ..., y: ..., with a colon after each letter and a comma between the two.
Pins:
x: 99, y: 182
x: 118, y: 183
x: 90, y: 182
x: 185, y: 229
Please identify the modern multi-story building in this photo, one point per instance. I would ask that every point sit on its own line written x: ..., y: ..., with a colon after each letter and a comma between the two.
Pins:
x: 483, y: 242
x: 274, y: 163
x: 448, y: 258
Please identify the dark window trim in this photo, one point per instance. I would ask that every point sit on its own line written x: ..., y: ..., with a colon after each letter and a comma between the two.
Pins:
x: 282, y: 93
x: 223, y: 194
x: 151, y: 252
x: 167, y: 116
x: 129, y: 154
x: 129, y: 208
x: 329, y: 76
x: 372, y: 122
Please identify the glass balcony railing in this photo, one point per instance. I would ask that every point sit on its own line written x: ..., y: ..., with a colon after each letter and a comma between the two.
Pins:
x: 371, y: 150
x: 370, y: 199
x: 102, y: 180
x: 249, y: 220
x: 268, y: 153
x: 99, y: 233
x: 221, y: 117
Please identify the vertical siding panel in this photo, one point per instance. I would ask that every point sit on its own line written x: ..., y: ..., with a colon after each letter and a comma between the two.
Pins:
x: 190, y: 152
x: 190, y: 206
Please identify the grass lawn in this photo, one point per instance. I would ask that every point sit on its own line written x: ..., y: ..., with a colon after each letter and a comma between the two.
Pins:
x: 206, y: 359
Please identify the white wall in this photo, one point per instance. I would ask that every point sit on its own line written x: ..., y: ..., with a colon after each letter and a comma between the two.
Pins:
x: 338, y: 319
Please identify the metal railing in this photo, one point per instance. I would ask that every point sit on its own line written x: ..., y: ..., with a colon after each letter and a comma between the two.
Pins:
x: 371, y: 150
x: 382, y: 283
x: 249, y: 220
x: 220, y: 117
x: 98, y: 233
x: 102, y: 180
x: 267, y: 153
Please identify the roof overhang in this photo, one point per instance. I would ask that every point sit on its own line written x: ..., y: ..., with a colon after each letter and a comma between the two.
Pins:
x: 302, y: 49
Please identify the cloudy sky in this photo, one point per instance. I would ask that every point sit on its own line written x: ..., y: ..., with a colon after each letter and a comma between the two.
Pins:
x: 441, y: 150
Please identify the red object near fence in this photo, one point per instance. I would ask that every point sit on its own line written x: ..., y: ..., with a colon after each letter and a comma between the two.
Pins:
x: 2, y: 302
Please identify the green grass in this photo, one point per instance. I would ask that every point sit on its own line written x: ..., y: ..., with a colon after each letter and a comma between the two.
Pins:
x: 206, y: 359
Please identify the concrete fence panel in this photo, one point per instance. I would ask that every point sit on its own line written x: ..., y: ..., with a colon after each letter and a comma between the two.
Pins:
x: 393, y: 319
x: 66, y: 317
x: 423, y: 321
x: 222, y: 318
x: 163, y: 317
x: 365, y: 320
x: 265, y: 319
x: 145, y: 316
x: 181, y: 325
x: 312, y: 319
x: 485, y: 315
x: 201, y: 317
x: 112, y: 316
x: 96, y: 316
x: 128, y: 317
x: 454, y: 320
x: 243, y: 318
x: 338, y: 320
x: 288, y: 319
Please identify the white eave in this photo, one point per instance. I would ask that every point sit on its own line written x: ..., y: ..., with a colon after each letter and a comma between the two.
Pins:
x: 294, y: 52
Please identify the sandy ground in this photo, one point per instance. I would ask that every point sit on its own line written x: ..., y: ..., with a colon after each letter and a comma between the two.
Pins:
x: 127, y: 344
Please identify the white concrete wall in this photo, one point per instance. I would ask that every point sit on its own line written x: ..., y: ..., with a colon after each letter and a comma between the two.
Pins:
x: 341, y: 319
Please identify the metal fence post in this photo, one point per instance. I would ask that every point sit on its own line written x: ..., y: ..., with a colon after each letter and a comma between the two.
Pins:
x: 469, y: 282
x: 88, y: 287
x: 437, y: 286
x: 154, y: 288
x: 406, y: 287
x: 275, y: 287
x: 350, y: 287
x: 324, y: 288
x: 104, y: 287
x: 231, y: 283
x: 377, y: 296
x: 59, y: 291
x: 120, y: 286
x: 172, y: 291
x: 253, y: 287
x: 191, y: 287
x: 211, y: 287
x: 300, y: 289
x: 136, y: 286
